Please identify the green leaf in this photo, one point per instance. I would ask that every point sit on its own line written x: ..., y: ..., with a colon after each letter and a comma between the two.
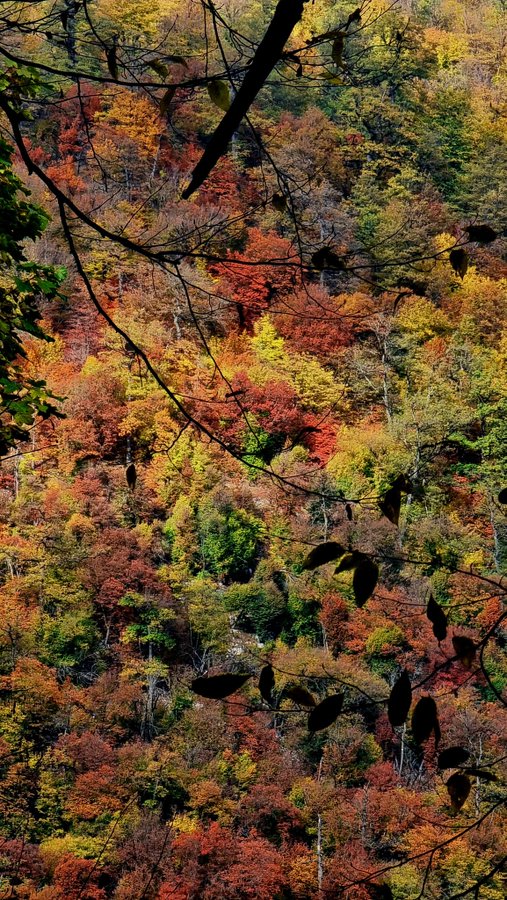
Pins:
x: 219, y: 94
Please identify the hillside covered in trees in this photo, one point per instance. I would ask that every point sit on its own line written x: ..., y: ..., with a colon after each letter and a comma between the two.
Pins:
x: 253, y: 438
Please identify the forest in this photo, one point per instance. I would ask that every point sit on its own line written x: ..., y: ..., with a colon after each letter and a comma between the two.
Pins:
x: 253, y: 449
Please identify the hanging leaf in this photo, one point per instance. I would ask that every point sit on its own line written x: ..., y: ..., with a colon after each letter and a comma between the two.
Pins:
x: 390, y: 505
x: 299, y: 694
x: 323, y: 554
x: 131, y: 476
x: 356, y: 17
x: 219, y: 94
x: 299, y: 71
x: 438, y: 618
x: 483, y: 234
x: 337, y: 49
x: 327, y: 259
x: 458, y: 788
x: 112, y: 63
x: 425, y: 720
x: 465, y: 650
x: 452, y: 757
x: 380, y: 892
x: 349, y: 561
x: 348, y: 512
x: 365, y: 580
x: 267, y: 683
x: 179, y: 60
x: 325, y: 713
x: 403, y: 483
x: 159, y: 67
x: 279, y: 201
x: 166, y: 100
x: 480, y: 773
x: 400, y: 700
x: 458, y: 259
x: 502, y: 496
x: 216, y: 687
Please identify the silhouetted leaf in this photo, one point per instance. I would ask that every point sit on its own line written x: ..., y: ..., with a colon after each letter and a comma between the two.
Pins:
x: 166, y: 100
x: 438, y: 619
x: 458, y: 259
x: 452, y: 757
x: 267, y: 683
x: 390, y: 505
x: 323, y: 554
x: 279, y: 201
x: 325, y: 713
x: 112, y: 63
x: 356, y: 17
x: 403, y: 483
x: 502, y: 496
x: 219, y: 94
x: 483, y: 234
x: 131, y: 476
x: 458, y: 788
x: 365, y: 580
x: 348, y: 512
x: 400, y: 700
x: 216, y: 687
x: 158, y: 67
x: 464, y: 649
x: 425, y: 720
x: 299, y: 694
x: 327, y: 259
x: 349, y: 561
x: 337, y: 49
x: 380, y: 892
x: 480, y: 773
